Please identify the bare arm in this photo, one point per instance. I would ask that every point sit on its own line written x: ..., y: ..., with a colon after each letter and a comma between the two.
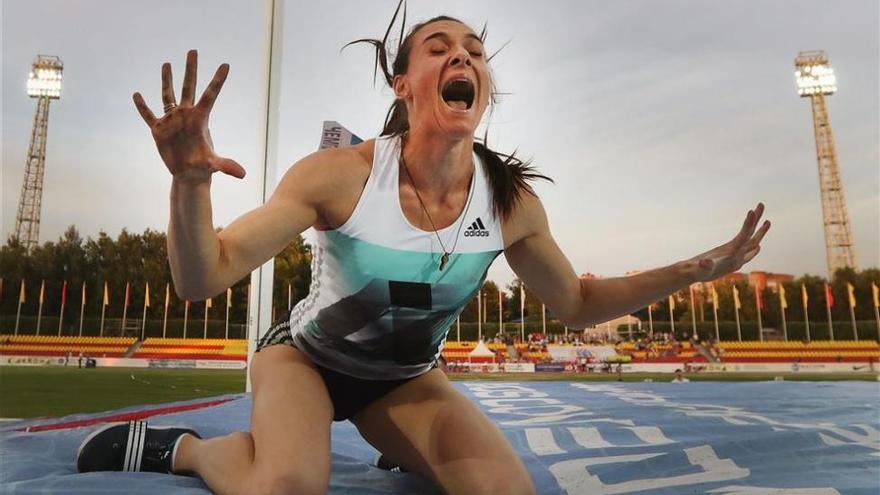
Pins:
x: 203, y: 263
x: 579, y: 302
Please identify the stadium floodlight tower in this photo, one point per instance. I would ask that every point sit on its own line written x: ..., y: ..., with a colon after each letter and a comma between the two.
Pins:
x: 815, y: 79
x: 44, y: 84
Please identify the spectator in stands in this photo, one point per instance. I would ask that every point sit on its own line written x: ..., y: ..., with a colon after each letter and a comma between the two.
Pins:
x: 679, y: 378
x: 307, y: 372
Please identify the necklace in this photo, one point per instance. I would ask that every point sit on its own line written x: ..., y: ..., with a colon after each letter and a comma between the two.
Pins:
x: 445, y: 258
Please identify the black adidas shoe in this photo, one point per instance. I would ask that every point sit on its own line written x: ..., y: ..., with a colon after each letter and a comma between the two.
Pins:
x: 130, y: 447
x: 383, y: 462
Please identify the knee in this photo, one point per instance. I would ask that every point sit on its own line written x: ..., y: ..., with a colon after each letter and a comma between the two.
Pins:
x: 292, y: 483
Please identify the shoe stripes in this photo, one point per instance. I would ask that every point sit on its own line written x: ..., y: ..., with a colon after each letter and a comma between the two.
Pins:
x: 134, y: 451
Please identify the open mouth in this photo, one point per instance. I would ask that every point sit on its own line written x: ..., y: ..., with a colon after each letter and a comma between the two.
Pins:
x: 459, y: 94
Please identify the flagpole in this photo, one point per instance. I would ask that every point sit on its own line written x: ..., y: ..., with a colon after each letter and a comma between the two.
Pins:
x: 500, y: 314
x: 693, y: 312
x: 480, y: 315
x: 671, y: 314
x: 21, y: 297
x: 63, y: 303
x: 228, y: 305
x: 782, y: 305
x: 828, y: 304
x: 458, y: 328
x: 736, y: 306
x: 40, y: 310
x: 758, y: 304
x: 104, y: 303
x: 522, y: 312
x: 805, y: 300
x: 715, y: 312
x: 125, y: 308
x: 146, y: 304
x: 167, y: 302
x: 185, y: 316
x: 544, y: 319
x: 207, y: 307
x: 289, y: 297
x: 875, y: 292
x: 82, y: 309
x: 852, y: 306
x: 247, y: 310
x: 650, y: 323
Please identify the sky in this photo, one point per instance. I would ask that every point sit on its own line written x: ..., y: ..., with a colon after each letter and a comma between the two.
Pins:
x: 662, y: 122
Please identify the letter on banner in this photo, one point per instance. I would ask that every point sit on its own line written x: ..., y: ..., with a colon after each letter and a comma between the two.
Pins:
x: 574, y: 477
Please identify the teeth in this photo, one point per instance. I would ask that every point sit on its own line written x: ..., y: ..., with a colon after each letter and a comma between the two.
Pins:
x: 458, y: 105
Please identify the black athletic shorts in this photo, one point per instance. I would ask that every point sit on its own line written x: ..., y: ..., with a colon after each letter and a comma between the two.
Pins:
x: 348, y: 394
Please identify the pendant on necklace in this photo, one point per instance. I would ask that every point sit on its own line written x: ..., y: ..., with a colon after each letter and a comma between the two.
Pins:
x: 444, y: 260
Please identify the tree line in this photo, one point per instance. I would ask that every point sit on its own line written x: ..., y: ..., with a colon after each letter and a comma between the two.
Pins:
x: 142, y: 258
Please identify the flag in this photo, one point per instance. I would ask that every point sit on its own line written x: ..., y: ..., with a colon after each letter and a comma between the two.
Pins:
x: 736, y: 302
x: 671, y: 302
x: 21, y: 297
x: 804, y: 296
x: 852, y: 296
x: 147, y: 295
x: 229, y: 297
x: 782, y: 300
x: 208, y: 303
x: 106, y: 294
x: 714, y: 298
x: 167, y: 294
x: 84, y: 294
x: 42, y: 290
x: 829, y: 298
x: 127, y: 294
x: 64, y: 294
x: 876, y: 292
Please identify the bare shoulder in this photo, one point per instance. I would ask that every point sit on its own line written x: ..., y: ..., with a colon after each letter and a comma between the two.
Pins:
x: 527, y: 218
x: 330, y: 180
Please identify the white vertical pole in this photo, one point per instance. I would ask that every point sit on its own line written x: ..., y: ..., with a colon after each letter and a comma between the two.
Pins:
x: 544, y: 319
x: 522, y: 311
x: 480, y: 315
x: 500, y: 313
x: 82, y: 309
x: 260, y: 302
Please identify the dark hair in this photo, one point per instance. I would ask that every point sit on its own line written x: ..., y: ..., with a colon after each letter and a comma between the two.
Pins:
x: 508, y: 175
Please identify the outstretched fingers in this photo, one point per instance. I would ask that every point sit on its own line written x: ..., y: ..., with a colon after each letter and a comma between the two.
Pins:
x: 749, y: 225
x: 755, y: 241
x: 187, y: 96
x: 167, y: 86
x: 143, y: 109
x: 206, y: 102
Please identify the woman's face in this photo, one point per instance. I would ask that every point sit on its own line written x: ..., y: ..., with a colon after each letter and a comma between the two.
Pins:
x: 447, y: 84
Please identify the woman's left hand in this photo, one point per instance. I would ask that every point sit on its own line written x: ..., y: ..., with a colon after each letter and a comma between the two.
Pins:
x: 730, y: 256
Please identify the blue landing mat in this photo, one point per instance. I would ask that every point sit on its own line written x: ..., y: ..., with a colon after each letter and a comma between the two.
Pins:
x: 599, y: 438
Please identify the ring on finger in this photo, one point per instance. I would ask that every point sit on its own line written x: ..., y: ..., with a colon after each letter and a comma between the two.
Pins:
x: 170, y: 106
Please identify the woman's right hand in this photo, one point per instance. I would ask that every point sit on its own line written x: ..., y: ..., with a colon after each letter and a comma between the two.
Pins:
x: 182, y: 134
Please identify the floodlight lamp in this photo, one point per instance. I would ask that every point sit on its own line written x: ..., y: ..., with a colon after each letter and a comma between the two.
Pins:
x: 45, y: 78
x: 813, y: 75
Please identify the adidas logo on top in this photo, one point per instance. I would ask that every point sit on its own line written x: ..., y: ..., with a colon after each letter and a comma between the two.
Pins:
x: 477, y: 229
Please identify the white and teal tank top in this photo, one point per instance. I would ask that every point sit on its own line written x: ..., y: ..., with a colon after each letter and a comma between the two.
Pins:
x: 378, y: 307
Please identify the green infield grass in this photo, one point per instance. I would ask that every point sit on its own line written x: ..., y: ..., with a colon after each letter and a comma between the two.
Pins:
x: 32, y: 391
